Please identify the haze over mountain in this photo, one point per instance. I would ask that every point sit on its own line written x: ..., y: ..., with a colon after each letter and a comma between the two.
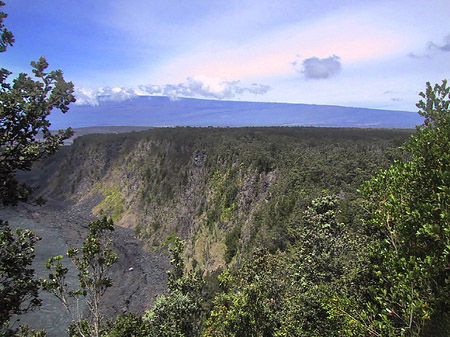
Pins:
x: 161, y: 111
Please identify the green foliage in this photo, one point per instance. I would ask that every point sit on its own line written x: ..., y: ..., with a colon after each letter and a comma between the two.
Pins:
x: 323, y: 255
x: 225, y: 186
x: 232, y: 242
x: 214, y: 176
x: 175, y: 281
x: 282, y: 294
x: 286, y: 293
x: 6, y: 37
x: 112, y: 205
x: 93, y: 266
x: 169, y: 240
x: 173, y: 315
x: 180, y: 312
x: 129, y: 325
x: 25, y: 106
x: 80, y: 328
x: 317, y: 242
x: 18, y: 288
x: 409, y: 206
x: 251, y: 302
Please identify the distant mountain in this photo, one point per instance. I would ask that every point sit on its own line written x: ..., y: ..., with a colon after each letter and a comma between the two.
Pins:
x: 161, y: 111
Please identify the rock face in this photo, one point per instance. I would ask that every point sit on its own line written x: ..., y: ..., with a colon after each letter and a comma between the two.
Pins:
x: 222, y: 190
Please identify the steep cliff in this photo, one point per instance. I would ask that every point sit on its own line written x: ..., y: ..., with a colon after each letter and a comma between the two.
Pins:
x: 223, y: 190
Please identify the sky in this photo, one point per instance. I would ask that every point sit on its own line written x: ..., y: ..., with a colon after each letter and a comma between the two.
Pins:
x: 372, y: 54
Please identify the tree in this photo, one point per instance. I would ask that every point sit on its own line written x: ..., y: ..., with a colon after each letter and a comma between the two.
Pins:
x: 18, y: 288
x: 179, y: 313
x: 409, y: 285
x: 317, y: 261
x: 93, y: 267
x: 6, y: 37
x: 24, y: 107
x: 129, y: 325
x: 253, y: 298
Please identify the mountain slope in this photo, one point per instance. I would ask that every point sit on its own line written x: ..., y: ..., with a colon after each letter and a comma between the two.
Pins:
x: 161, y: 111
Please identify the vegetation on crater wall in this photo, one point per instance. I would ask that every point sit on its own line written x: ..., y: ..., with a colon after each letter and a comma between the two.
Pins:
x: 303, y: 253
x: 208, y: 183
x: 113, y: 205
x: 283, y: 242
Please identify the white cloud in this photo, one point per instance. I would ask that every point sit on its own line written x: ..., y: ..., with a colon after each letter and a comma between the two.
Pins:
x: 90, y: 96
x: 316, y: 68
x: 195, y: 86
x: 206, y: 87
x: 252, y: 42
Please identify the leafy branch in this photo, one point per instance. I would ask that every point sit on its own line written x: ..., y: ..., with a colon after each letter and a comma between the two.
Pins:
x: 93, y: 265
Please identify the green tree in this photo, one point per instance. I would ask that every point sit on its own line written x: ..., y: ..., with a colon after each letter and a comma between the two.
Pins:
x: 407, y: 293
x: 93, y: 267
x: 6, y: 37
x: 178, y: 314
x: 317, y: 260
x: 129, y: 325
x: 252, y: 300
x: 18, y: 288
x: 24, y: 107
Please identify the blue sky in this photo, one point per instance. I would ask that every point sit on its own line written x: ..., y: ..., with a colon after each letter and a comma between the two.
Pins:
x: 374, y: 54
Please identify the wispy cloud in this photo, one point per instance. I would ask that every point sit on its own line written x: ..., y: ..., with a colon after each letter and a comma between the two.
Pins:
x: 432, y: 48
x: 417, y: 56
x: 444, y: 47
x: 166, y: 43
x: 196, y: 86
x: 317, y: 68
x: 358, y: 38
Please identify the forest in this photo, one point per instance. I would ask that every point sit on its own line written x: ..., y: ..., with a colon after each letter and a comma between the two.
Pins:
x: 272, y: 231
x: 277, y: 231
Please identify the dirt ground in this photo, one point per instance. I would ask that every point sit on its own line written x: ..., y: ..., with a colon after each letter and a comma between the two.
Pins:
x: 138, y: 277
